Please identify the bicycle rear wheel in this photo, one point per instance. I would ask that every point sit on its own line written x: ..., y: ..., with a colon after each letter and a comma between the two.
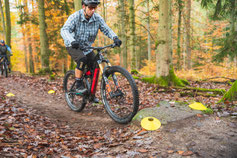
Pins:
x: 1, y: 69
x: 75, y: 101
x: 5, y: 69
x: 120, y: 97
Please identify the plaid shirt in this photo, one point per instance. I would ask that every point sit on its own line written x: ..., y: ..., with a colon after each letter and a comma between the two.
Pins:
x: 78, y: 28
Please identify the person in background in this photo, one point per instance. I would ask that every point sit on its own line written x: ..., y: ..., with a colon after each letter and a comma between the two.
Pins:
x: 3, y: 51
x: 79, y: 31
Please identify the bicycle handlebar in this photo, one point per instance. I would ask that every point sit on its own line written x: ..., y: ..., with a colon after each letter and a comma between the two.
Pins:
x: 100, y: 48
x: 5, y: 55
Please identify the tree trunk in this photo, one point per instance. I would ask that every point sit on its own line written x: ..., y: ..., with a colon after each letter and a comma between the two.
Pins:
x: 3, y: 20
x: 77, y: 5
x: 180, y: 5
x: 25, y: 48
x: 31, y: 59
x: 123, y: 33
x: 104, y: 16
x: 233, y: 16
x: 162, y: 58
x: 188, y: 47
x: 148, y: 31
x: 231, y: 95
x: 164, y: 67
x: 233, y: 21
x: 132, y: 34
x: 8, y: 23
x: 139, y: 51
x: 44, y: 48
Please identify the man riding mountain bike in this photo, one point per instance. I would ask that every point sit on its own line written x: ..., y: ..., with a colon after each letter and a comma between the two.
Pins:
x: 79, y: 31
x: 3, y: 51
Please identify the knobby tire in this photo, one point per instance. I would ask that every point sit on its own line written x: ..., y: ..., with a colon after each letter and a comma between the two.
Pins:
x: 126, y: 97
x: 75, y: 102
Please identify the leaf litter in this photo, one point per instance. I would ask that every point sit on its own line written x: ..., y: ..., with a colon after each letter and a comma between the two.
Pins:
x: 26, y: 133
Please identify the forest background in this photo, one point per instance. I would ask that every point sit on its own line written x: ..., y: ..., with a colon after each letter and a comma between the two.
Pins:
x: 202, y: 35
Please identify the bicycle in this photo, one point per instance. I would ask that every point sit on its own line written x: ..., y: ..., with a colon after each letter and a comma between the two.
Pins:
x: 118, y: 89
x: 4, y: 65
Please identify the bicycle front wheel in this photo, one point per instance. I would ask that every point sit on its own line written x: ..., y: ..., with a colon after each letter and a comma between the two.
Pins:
x: 75, y: 101
x: 119, y: 94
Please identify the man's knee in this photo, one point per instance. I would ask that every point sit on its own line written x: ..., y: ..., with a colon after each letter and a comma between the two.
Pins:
x: 81, y: 63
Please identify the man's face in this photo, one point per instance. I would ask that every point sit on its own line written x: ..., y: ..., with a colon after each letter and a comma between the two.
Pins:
x: 89, y: 10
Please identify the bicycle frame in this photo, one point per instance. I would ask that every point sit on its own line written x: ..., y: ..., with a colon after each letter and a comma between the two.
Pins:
x: 99, y: 60
x: 2, y: 58
x: 120, y: 102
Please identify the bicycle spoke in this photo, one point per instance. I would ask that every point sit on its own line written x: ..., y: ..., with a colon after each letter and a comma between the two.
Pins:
x: 118, y: 94
x: 75, y: 102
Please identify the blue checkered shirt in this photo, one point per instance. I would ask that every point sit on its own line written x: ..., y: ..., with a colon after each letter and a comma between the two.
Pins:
x: 78, y: 28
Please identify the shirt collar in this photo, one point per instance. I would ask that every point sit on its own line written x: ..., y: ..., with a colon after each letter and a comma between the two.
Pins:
x: 83, y: 18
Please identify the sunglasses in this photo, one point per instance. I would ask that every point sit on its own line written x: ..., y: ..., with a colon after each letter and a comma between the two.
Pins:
x: 92, y: 7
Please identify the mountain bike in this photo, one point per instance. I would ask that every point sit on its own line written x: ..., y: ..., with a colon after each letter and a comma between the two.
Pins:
x: 4, y: 65
x: 118, y: 89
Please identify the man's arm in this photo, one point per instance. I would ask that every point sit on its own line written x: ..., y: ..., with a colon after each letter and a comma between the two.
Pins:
x: 106, y: 29
x: 9, y: 49
x: 67, y: 31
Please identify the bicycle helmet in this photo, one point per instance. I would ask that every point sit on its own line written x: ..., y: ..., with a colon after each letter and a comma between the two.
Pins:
x: 90, y: 2
x: 2, y: 41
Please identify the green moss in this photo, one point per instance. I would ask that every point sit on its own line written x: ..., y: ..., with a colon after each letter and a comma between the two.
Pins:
x: 135, y: 72
x: 231, y: 95
x: 216, y: 91
x: 149, y: 79
x: 165, y: 81
x: 185, y: 82
x: 52, y: 77
x: 208, y: 111
x: 135, y: 77
x: 44, y: 71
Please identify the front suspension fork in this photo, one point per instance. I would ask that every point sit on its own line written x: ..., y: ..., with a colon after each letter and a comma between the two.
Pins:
x: 107, y: 84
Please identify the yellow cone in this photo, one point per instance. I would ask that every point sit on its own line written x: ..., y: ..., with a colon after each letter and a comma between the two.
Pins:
x: 10, y: 95
x: 150, y: 123
x: 51, y: 92
x: 197, y: 106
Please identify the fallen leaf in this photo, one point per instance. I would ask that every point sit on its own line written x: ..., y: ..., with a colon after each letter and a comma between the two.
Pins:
x: 10, y: 95
x: 217, y: 118
x: 170, y: 151
x: 199, y: 115
x: 187, y: 153
x: 51, y: 91
x: 143, y: 150
x: 21, y: 110
x: 98, y: 145
x: 180, y: 152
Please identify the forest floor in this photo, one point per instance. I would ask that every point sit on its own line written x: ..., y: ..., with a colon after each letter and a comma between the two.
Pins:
x: 34, y: 123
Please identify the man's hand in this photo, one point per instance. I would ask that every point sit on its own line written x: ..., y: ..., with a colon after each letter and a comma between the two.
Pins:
x: 75, y: 44
x: 117, y: 41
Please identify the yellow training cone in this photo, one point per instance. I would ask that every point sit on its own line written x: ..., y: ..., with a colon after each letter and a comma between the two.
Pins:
x: 197, y: 106
x: 150, y: 123
x: 10, y: 95
x: 51, y: 92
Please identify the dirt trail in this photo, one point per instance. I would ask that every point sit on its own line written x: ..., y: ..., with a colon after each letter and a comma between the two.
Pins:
x: 203, y: 136
x: 55, y: 106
